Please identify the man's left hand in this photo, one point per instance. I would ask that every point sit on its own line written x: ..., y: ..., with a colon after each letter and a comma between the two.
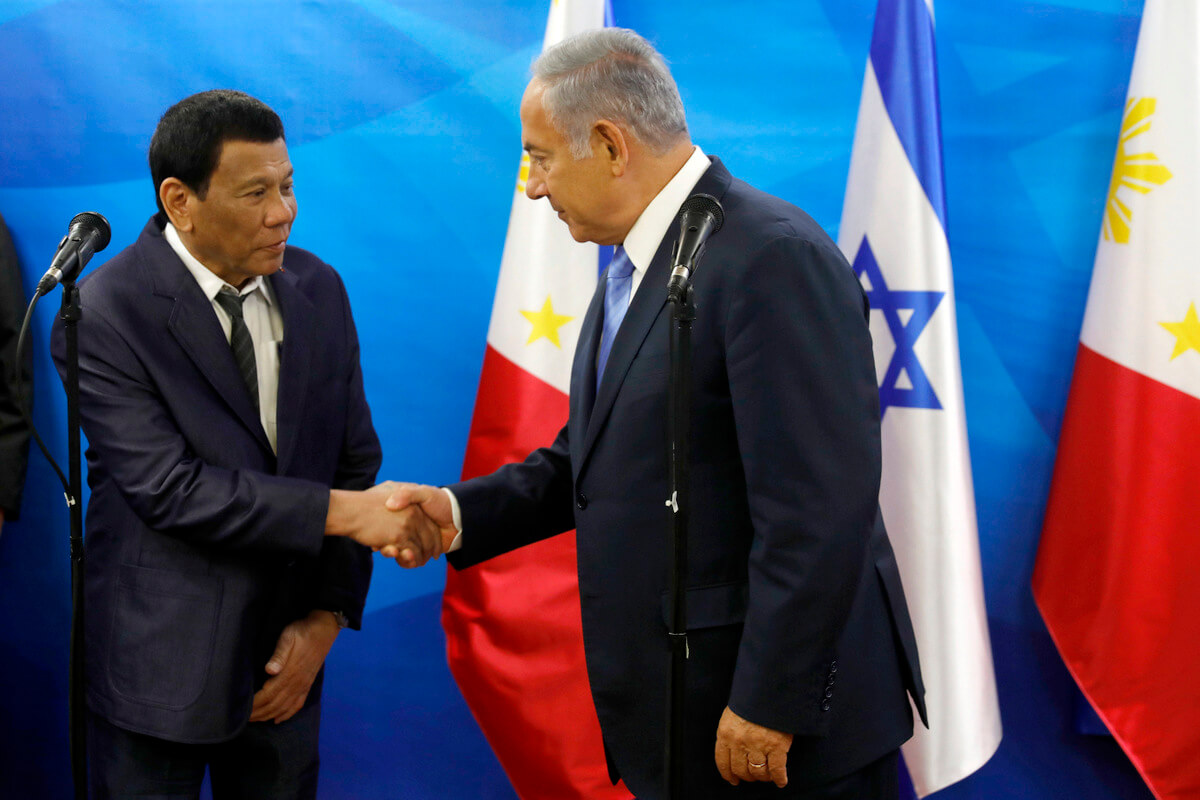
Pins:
x: 297, y: 659
x: 749, y: 752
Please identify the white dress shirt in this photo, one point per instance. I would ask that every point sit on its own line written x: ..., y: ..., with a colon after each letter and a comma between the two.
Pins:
x: 263, y: 321
x: 655, y: 222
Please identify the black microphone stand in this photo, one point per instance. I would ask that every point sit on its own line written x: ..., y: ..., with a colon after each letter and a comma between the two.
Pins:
x: 683, y: 314
x: 89, y: 234
x: 76, y: 703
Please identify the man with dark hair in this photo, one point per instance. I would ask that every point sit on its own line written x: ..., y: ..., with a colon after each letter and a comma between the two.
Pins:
x: 801, y: 656
x: 230, y: 452
x: 16, y: 384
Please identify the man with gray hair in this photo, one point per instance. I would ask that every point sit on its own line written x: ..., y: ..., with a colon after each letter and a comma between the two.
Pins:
x: 801, y: 653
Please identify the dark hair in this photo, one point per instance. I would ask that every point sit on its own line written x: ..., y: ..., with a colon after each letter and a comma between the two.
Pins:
x: 188, y: 140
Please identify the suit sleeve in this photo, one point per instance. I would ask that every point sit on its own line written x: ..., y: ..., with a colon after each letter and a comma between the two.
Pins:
x: 345, y: 564
x: 516, y: 505
x: 134, y: 440
x: 14, y: 432
x: 802, y: 384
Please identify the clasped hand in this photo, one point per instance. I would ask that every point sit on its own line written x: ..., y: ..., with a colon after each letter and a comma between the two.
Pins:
x: 402, y: 529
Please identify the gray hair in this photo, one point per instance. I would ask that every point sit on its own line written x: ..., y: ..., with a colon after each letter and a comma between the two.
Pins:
x: 615, y: 74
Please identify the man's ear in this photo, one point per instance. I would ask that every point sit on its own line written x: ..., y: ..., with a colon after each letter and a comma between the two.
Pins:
x: 177, y: 200
x: 610, y: 142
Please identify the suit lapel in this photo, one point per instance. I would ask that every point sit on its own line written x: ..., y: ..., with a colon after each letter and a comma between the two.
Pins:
x: 194, y: 324
x: 644, y: 309
x: 294, y: 360
x: 648, y: 303
x: 583, y: 370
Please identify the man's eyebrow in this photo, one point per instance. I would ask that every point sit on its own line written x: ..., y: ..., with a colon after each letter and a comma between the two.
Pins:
x: 263, y: 180
x: 257, y: 180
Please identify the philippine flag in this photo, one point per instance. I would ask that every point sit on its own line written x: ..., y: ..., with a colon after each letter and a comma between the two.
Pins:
x: 893, y: 232
x: 1115, y: 577
x: 512, y: 624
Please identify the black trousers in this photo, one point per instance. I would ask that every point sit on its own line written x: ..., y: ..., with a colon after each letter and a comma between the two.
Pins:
x: 264, y: 762
x: 879, y: 780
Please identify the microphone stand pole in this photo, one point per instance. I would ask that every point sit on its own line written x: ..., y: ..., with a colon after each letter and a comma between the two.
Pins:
x: 76, y: 703
x: 683, y: 314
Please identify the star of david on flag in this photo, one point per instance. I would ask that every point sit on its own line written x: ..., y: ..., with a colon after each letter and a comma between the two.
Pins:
x: 905, y: 382
x: 893, y: 232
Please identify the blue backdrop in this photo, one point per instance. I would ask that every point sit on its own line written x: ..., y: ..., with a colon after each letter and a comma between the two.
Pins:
x: 402, y: 124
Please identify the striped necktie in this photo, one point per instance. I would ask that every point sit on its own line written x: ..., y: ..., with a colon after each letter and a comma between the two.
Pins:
x: 616, y: 303
x: 240, y: 341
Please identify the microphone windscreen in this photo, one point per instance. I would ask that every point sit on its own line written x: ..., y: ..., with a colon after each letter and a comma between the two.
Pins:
x: 91, y: 221
x: 705, y: 204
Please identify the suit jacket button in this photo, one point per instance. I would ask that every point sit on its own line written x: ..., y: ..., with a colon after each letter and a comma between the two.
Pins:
x: 581, y: 501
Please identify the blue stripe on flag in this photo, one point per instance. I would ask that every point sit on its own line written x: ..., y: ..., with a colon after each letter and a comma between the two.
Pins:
x: 904, y: 58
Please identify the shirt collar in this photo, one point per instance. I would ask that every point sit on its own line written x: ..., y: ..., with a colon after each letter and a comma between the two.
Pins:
x: 644, y: 238
x: 210, y: 284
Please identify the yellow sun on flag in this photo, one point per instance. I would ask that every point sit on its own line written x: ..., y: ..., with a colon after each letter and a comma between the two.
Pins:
x: 1140, y: 172
x: 523, y: 173
x: 545, y: 323
x: 1186, y: 332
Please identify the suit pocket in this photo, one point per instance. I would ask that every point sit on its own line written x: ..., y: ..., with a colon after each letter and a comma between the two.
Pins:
x: 164, y: 624
x: 711, y: 606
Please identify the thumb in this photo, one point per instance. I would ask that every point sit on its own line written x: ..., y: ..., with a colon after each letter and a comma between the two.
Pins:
x: 406, y: 495
x: 282, y: 650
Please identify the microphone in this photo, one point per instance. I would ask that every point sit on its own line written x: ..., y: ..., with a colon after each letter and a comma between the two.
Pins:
x: 700, y: 216
x: 88, y: 234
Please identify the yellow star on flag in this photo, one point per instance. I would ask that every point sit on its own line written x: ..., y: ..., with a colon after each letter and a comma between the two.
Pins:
x: 1186, y: 332
x: 545, y: 323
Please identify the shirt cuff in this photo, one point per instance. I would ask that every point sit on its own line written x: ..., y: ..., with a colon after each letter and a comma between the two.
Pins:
x: 456, y: 512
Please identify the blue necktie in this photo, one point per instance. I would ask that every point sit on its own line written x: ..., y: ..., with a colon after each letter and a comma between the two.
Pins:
x: 616, y: 303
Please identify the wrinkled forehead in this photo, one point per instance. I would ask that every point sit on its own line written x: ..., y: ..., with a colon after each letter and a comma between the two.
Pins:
x: 239, y: 157
x: 536, y: 128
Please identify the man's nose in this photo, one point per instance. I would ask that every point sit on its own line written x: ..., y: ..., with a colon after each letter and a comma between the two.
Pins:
x: 535, y: 187
x: 281, y: 212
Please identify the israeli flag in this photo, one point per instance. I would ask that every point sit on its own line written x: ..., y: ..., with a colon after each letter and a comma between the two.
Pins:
x: 893, y: 232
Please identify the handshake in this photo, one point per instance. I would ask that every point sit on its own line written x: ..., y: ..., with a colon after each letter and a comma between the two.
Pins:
x: 405, y: 521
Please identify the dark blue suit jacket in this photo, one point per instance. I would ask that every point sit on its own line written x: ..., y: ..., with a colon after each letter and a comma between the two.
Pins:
x: 796, y: 616
x: 201, y: 544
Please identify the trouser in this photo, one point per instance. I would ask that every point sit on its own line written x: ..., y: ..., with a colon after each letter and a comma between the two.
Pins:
x: 264, y: 762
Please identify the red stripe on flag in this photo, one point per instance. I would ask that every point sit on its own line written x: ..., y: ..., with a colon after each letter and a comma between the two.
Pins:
x: 1115, y: 577
x: 512, y: 624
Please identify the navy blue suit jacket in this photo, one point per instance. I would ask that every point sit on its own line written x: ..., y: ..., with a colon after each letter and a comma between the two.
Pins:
x: 201, y: 543
x: 796, y: 616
